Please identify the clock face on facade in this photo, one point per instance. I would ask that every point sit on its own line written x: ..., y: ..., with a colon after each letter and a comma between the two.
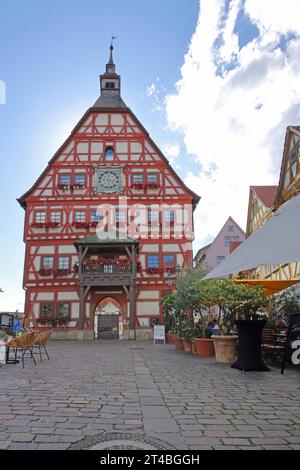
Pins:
x: 108, y: 181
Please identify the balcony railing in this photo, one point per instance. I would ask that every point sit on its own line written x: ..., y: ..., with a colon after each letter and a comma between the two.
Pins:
x: 108, y: 269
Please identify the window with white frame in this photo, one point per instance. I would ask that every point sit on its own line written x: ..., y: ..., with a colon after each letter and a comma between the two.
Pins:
x: 40, y: 217
x: 169, y: 216
x: 80, y: 216
x: 55, y: 216
x: 169, y: 261
x: 230, y: 228
x: 79, y: 179
x: 46, y: 310
x: 138, y: 178
x: 63, y: 311
x: 152, y: 261
x: 152, y: 178
x: 65, y: 180
x: 63, y: 262
x: 229, y: 240
x: 47, y: 262
x: 153, y: 216
x: 95, y: 216
x: 220, y: 259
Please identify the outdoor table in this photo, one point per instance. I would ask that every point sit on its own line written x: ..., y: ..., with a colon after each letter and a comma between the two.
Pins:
x: 249, y: 346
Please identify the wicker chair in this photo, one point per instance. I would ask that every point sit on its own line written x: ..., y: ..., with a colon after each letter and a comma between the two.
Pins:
x: 23, y: 343
x: 41, y: 340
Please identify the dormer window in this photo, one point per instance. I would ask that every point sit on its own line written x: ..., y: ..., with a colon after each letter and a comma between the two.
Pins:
x: 109, y: 154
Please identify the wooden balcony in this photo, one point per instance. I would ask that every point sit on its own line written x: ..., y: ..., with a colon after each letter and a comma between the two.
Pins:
x: 105, y: 275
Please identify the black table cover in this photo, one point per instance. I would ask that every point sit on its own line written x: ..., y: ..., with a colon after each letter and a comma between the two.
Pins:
x: 249, y: 346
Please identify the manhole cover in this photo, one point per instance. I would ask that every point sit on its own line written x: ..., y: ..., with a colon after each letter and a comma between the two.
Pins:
x: 121, y: 441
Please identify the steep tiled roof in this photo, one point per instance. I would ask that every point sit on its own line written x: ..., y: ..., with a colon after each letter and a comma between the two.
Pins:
x: 109, y: 101
x: 266, y: 194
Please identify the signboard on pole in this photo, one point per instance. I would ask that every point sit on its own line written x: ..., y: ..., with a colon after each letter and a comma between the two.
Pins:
x: 292, y: 347
x: 159, y: 333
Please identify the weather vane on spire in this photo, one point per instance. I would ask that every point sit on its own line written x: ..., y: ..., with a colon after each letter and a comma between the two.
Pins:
x: 111, y: 61
x: 112, y: 39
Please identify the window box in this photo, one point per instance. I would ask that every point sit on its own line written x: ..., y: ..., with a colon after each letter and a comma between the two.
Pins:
x: 46, y: 271
x: 52, y: 224
x: 153, y: 270
x: 63, y: 187
x: 94, y: 223
x: 85, y: 225
x: 152, y: 185
x: 77, y: 186
x: 38, y: 225
x: 62, y: 272
x: 137, y: 186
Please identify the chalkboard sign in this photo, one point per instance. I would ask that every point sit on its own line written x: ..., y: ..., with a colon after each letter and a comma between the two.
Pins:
x: 292, y: 347
x: 159, y: 333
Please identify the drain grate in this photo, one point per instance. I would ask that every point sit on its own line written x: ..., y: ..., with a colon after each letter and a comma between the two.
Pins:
x: 121, y: 441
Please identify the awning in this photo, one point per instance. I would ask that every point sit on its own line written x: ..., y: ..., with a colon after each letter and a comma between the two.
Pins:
x: 271, y: 286
x: 276, y: 242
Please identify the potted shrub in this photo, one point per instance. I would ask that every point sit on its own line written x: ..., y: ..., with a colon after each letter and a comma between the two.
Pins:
x: 236, y: 302
x: 187, y: 340
x: 168, y: 304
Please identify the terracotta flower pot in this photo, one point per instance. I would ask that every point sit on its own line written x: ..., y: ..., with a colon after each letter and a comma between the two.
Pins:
x: 225, y: 347
x: 178, y: 343
x: 193, y: 347
x: 204, y: 347
x: 187, y: 345
x: 170, y: 338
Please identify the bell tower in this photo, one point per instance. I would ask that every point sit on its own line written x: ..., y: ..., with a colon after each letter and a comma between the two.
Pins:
x: 110, y: 81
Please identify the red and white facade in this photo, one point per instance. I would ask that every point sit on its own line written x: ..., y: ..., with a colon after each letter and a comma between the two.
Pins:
x: 109, y: 176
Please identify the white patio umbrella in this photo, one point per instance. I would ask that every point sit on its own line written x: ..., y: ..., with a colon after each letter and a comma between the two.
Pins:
x: 276, y: 242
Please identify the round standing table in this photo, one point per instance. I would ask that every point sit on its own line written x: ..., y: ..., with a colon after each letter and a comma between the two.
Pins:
x: 249, y: 346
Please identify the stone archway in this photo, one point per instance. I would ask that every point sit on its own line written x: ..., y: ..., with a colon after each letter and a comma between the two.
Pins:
x: 108, y: 319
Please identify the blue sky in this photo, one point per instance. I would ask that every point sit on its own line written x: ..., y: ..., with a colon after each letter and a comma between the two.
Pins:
x: 52, y: 53
x: 215, y: 87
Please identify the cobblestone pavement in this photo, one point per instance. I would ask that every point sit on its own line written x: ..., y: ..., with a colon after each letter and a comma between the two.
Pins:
x: 137, y: 387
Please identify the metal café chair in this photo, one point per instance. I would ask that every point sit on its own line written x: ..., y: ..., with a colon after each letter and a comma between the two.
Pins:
x: 41, y: 340
x: 23, y: 343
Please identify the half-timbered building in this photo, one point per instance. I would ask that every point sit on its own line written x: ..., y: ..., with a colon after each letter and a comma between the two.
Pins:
x: 107, y: 226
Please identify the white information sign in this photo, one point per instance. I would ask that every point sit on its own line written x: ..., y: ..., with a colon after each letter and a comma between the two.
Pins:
x: 159, y: 333
x: 2, y: 353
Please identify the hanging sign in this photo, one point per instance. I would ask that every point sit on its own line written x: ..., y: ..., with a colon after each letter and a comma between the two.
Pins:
x: 292, y: 347
x: 159, y: 333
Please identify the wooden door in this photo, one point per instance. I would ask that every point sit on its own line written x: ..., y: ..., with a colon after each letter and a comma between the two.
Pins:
x: 108, y: 327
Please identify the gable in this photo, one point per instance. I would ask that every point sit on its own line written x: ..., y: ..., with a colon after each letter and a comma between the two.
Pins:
x: 85, y: 149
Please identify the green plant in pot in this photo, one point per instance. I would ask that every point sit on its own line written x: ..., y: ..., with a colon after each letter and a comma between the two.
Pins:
x: 236, y: 302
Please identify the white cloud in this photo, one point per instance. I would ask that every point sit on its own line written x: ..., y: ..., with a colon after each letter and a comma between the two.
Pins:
x: 151, y: 89
x: 278, y: 16
x: 234, y: 120
x: 172, y: 150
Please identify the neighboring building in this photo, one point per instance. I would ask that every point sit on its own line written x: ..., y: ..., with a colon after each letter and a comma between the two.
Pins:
x: 214, y: 253
x: 261, y: 200
x: 289, y: 179
x: 265, y: 200
x: 288, y: 187
x: 113, y: 285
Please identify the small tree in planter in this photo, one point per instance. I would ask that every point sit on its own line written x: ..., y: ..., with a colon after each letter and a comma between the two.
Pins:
x: 236, y: 301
